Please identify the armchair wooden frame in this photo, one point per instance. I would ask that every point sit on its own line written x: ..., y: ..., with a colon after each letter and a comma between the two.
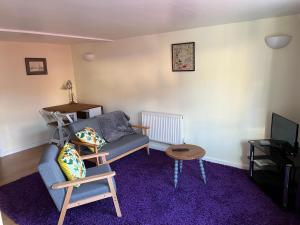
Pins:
x: 70, y: 184
x: 102, y: 154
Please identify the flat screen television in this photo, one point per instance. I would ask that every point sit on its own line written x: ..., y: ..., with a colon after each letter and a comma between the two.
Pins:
x: 283, y: 129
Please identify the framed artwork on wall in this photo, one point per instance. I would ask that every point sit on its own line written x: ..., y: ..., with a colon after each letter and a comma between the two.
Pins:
x: 183, y: 57
x: 36, y: 66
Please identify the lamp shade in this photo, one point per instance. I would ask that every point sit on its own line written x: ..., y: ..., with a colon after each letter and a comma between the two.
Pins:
x: 278, y: 41
x: 89, y: 56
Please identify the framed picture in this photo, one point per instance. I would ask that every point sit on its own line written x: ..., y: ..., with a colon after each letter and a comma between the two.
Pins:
x: 36, y: 66
x: 183, y: 57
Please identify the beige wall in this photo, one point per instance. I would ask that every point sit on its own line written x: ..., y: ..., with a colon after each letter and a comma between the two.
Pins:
x: 237, y: 83
x: 21, y: 96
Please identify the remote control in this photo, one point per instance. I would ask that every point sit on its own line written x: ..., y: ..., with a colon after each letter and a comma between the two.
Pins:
x: 180, y: 149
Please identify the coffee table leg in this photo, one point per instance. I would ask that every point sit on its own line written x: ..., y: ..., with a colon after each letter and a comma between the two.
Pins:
x: 176, y: 173
x: 180, y: 166
x: 202, y: 170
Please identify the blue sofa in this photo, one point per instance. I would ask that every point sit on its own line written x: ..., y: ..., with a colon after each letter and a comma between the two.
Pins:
x: 117, y: 149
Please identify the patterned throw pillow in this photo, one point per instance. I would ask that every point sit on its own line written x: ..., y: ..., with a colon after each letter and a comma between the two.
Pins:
x: 70, y: 163
x: 89, y: 135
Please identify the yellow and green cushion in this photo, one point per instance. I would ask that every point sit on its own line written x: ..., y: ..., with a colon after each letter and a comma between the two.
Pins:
x: 89, y: 135
x: 71, y: 163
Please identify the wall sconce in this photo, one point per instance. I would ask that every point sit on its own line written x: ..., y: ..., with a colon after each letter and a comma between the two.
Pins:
x: 278, y: 41
x: 89, y: 56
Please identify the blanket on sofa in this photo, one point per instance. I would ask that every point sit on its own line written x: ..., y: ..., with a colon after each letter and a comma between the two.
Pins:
x: 115, y: 125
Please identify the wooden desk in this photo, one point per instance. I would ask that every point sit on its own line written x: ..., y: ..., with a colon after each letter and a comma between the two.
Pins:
x: 71, y: 108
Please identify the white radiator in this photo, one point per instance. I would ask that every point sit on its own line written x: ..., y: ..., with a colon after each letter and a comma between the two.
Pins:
x: 164, y: 127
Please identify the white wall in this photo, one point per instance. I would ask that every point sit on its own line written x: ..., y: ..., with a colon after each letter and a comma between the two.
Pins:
x: 21, y: 96
x: 225, y: 102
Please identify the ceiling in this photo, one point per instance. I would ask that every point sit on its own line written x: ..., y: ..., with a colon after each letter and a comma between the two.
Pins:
x: 116, y: 19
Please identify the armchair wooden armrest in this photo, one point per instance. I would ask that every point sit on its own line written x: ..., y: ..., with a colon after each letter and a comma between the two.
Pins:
x: 83, y: 180
x: 79, y: 143
x: 144, y: 128
x: 102, y: 155
x: 96, y: 155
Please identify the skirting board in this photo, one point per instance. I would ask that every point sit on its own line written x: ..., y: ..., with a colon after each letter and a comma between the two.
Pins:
x: 162, y: 147
x: 226, y: 163
x: 15, y: 149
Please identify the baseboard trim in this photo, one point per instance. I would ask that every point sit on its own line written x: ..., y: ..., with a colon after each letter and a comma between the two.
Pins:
x: 16, y: 149
x: 226, y: 163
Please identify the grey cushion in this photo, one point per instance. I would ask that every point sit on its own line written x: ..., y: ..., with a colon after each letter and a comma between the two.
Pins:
x: 81, y: 124
x: 51, y: 174
x: 92, y: 188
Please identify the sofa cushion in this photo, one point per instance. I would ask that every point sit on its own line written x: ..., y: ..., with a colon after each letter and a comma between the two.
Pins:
x: 93, y: 188
x: 89, y: 135
x: 71, y: 163
x: 125, y: 144
x: 122, y: 145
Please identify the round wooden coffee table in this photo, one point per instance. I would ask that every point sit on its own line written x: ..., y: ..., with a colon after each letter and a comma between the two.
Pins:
x: 186, y: 152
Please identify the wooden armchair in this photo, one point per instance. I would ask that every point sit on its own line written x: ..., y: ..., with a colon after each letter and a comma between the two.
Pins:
x: 98, y: 183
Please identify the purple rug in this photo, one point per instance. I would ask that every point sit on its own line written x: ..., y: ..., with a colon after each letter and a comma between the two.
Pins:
x: 147, y: 196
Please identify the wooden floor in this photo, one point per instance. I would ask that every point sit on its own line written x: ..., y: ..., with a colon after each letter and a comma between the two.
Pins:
x: 15, y: 166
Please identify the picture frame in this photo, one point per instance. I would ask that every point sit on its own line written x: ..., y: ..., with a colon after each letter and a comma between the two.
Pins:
x: 36, y: 66
x: 183, y: 57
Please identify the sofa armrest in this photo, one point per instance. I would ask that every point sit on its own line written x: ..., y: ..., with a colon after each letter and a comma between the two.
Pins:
x: 144, y: 128
x: 139, y: 126
x: 70, y: 183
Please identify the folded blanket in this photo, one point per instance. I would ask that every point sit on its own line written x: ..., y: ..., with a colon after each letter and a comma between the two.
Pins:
x: 115, y: 125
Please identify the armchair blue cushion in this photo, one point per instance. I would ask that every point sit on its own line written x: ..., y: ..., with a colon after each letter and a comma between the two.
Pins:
x: 51, y: 174
x: 94, y: 188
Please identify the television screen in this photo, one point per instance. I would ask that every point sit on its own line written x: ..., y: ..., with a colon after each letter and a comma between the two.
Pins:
x: 284, y: 130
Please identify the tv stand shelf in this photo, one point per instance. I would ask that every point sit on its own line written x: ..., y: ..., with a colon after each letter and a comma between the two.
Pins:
x: 258, y: 157
x: 276, y: 178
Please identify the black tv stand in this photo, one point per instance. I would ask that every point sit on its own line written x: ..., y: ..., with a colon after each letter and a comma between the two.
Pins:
x: 274, y: 171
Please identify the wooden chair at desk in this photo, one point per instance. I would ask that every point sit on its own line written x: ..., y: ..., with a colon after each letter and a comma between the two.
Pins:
x: 58, y: 121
